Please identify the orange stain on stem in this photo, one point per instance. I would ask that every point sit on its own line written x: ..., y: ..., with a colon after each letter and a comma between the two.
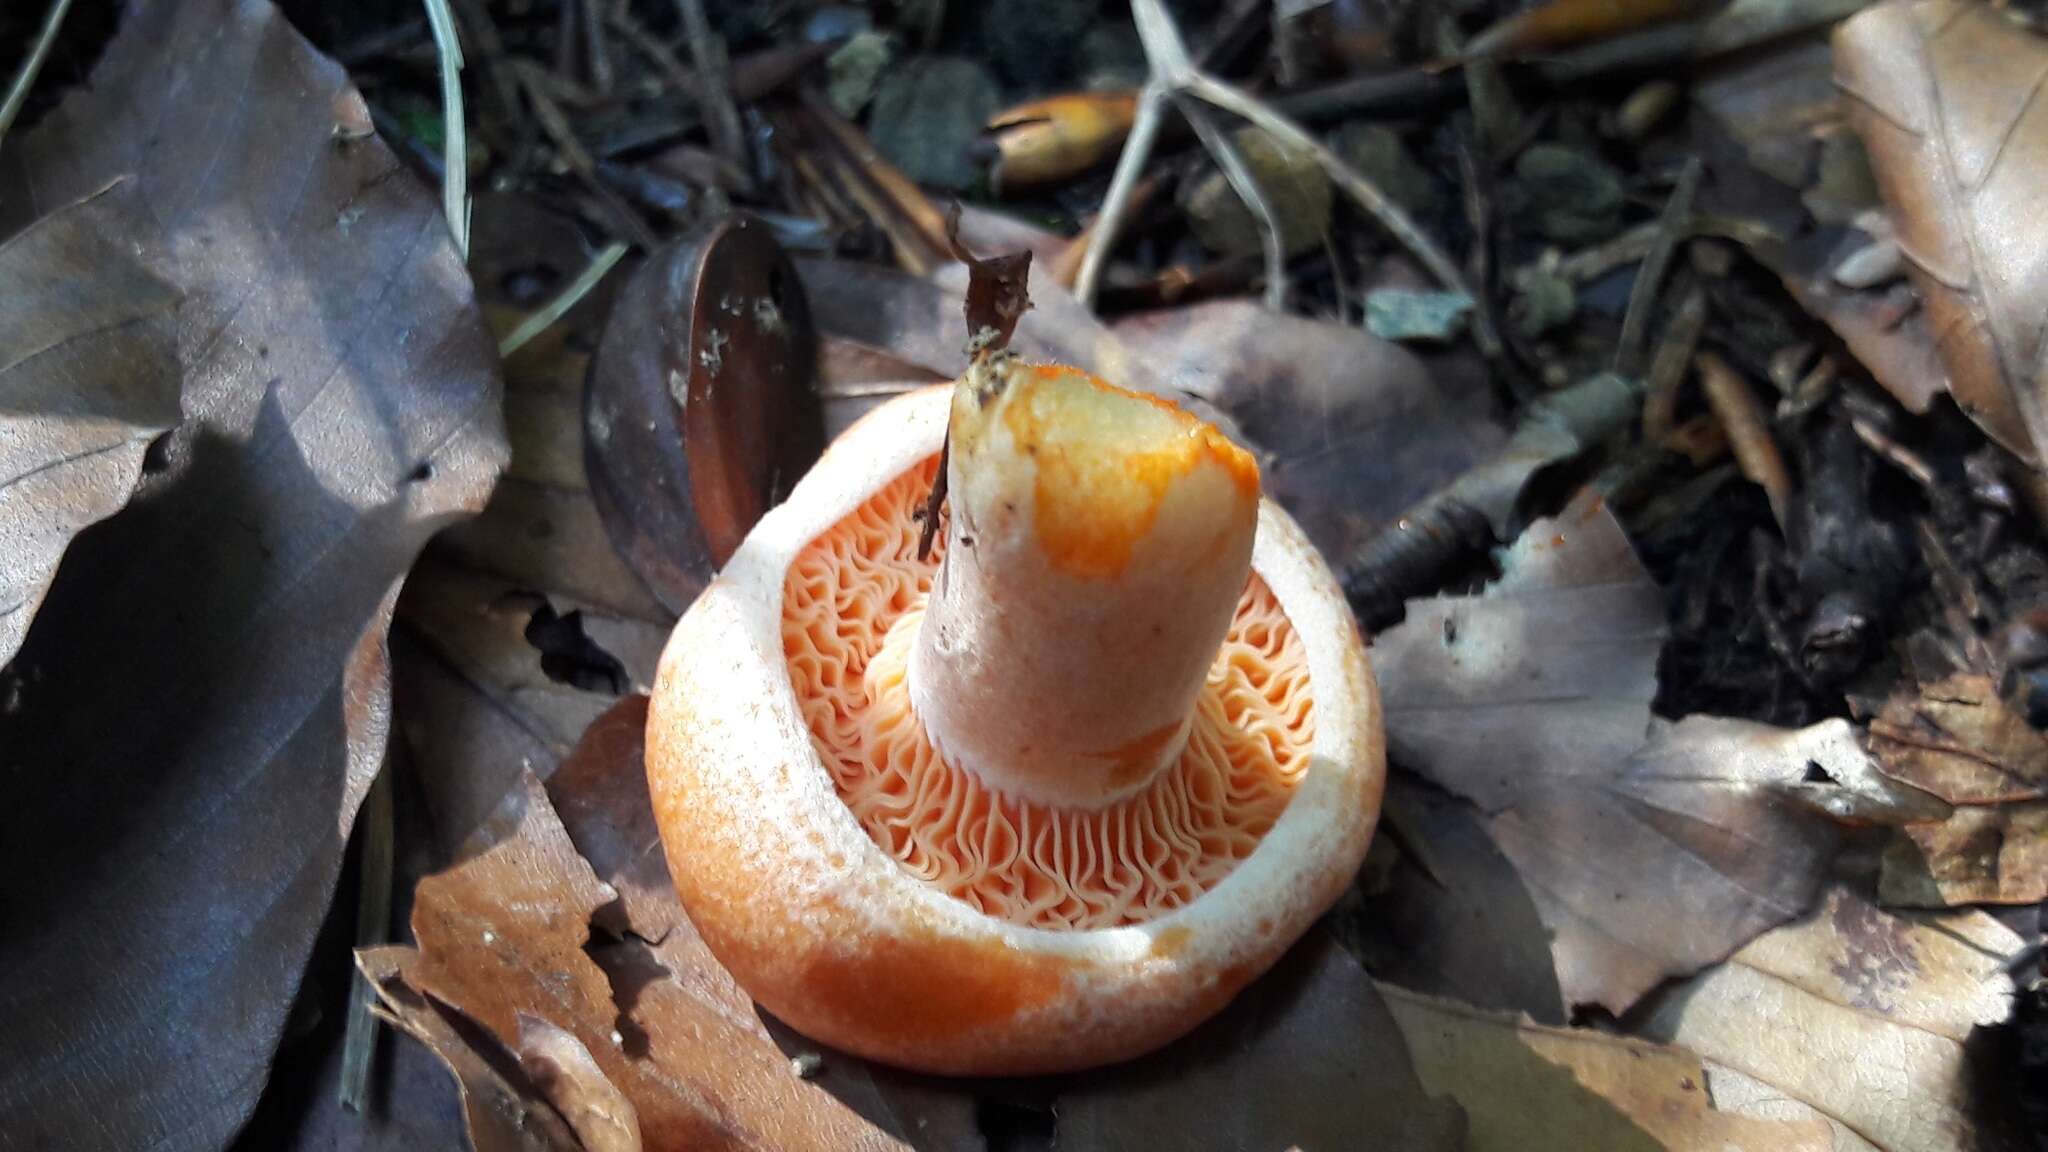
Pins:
x: 1091, y: 507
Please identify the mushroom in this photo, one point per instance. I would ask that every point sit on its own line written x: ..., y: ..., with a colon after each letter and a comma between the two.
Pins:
x: 1048, y: 796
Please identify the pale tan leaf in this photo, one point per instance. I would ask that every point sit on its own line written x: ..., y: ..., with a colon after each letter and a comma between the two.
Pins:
x: 88, y: 376
x: 1856, y: 1012
x: 1526, y: 1086
x: 1947, y: 96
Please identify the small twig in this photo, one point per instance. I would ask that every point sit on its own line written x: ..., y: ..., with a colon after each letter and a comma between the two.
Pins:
x: 1642, y: 298
x: 1749, y: 435
x: 708, y: 53
x: 1130, y: 170
x: 454, y: 133
x: 25, y: 78
x: 665, y: 62
x: 1479, y: 217
x: 373, y: 927
x: 594, y: 47
x: 545, y: 316
x: 1898, y: 455
x: 555, y: 124
x: 1668, y: 364
x: 1242, y: 182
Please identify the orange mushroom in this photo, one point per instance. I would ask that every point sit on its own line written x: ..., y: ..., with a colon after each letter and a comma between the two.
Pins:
x: 1047, y: 797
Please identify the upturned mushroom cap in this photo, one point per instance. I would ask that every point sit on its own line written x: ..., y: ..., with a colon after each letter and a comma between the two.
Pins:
x: 888, y: 901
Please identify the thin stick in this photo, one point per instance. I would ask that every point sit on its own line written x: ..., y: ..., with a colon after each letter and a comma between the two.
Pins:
x: 555, y: 124
x: 454, y: 133
x: 1130, y: 169
x: 594, y: 47
x: 1667, y: 367
x: 1242, y: 182
x: 1749, y: 434
x: 545, y: 316
x: 25, y: 79
x: 373, y: 927
x: 723, y: 119
x: 1642, y: 297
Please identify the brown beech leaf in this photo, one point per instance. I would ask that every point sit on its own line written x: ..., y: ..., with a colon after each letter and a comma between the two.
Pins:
x: 1946, y: 95
x: 1646, y: 854
x: 498, y: 1116
x: 88, y: 377
x: 508, y: 932
x: 1528, y: 1086
x: 1351, y: 429
x: 562, y: 1068
x: 205, y: 694
x: 1959, y: 740
x: 1996, y: 854
x: 1860, y: 1014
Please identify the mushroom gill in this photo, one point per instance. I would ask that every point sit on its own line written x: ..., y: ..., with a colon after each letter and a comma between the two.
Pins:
x: 851, y: 605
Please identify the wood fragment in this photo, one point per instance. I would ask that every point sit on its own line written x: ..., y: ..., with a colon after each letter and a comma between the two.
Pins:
x: 1668, y: 364
x: 1749, y: 433
x: 1642, y: 298
x: 707, y: 51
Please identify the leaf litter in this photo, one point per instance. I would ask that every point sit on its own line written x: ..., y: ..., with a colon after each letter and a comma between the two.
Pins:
x: 1557, y: 852
x: 340, y: 405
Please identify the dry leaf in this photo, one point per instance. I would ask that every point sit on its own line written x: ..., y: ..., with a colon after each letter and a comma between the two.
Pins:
x: 1563, y: 23
x: 88, y: 377
x: 1646, y: 856
x: 1957, y: 739
x: 1051, y: 140
x: 561, y: 1067
x: 1351, y: 429
x: 1979, y: 855
x: 1308, y: 1057
x: 1860, y: 1014
x: 506, y: 933
x: 497, y: 1116
x: 1526, y: 1087
x: 1944, y: 94
x: 167, y: 871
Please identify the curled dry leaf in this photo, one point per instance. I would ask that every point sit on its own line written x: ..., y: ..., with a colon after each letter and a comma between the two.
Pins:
x: 1527, y: 1086
x: 1945, y: 94
x: 1859, y: 1014
x: 508, y: 932
x: 497, y: 1116
x: 700, y: 413
x: 1051, y: 140
x: 88, y: 377
x: 341, y: 406
x: 1533, y: 702
x: 561, y: 1067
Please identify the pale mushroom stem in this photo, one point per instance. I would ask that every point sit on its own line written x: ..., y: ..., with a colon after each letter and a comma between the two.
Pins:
x: 1098, y: 545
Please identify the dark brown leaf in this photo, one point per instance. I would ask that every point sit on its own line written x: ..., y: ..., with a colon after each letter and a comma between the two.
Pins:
x: 1947, y: 97
x: 207, y: 696
x: 1645, y: 859
x: 1884, y: 328
x: 1308, y: 1057
x: 88, y: 377
x: 700, y: 414
x: 1350, y: 429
